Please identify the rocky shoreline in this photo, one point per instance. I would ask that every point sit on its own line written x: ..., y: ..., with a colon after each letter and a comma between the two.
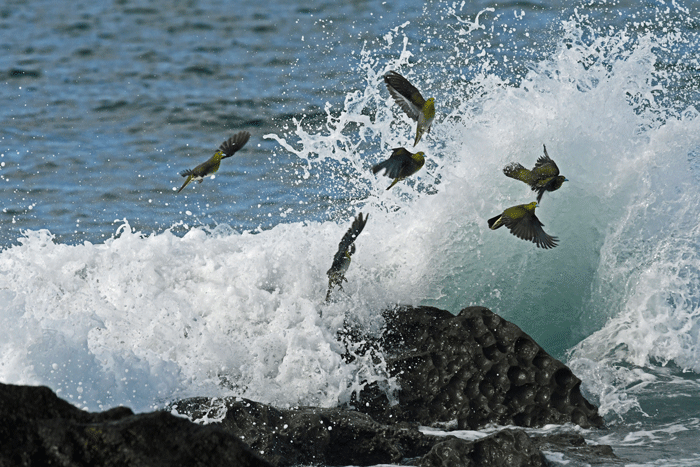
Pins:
x: 474, y: 368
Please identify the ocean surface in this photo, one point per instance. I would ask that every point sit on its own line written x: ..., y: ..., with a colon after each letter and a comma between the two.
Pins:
x: 116, y: 290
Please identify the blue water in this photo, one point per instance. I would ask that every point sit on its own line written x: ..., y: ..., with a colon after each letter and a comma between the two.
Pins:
x: 114, y: 289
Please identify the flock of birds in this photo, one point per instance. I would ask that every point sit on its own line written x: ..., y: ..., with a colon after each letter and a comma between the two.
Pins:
x: 520, y: 219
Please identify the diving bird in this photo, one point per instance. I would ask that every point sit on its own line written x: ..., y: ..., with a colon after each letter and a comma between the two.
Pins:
x: 400, y: 165
x: 412, y: 102
x: 543, y: 177
x: 522, y: 222
x: 341, y: 260
x: 227, y: 149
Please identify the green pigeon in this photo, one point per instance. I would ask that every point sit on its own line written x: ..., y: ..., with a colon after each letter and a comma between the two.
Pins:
x: 227, y: 149
x: 401, y: 164
x: 523, y: 223
x: 341, y: 260
x: 411, y: 101
x: 543, y: 177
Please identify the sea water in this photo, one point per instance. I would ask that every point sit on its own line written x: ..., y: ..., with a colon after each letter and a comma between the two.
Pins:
x: 116, y: 290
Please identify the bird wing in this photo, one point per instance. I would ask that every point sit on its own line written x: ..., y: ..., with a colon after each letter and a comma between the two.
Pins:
x: 396, y: 165
x: 348, y: 239
x: 518, y: 172
x: 529, y: 228
x: 234, y: 143
x: 545, y: 167
x: 405, y: 94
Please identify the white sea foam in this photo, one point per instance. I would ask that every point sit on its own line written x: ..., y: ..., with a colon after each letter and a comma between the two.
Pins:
x: 645, y: 292
x: 140, y: 319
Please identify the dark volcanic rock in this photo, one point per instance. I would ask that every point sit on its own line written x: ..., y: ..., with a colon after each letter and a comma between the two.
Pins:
x: 37, y: 429
x: 476, y: 368
x: 515, y: 448
x: 311, y: 435
x: 574, y: 446
x: 336, y: 437
x: 505, y: 448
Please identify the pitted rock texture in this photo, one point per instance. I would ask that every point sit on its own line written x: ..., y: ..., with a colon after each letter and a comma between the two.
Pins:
x: 476, y: 368
x: 38, y: 429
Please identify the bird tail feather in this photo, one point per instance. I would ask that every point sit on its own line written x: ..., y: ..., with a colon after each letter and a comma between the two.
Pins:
x: 185, y: 184
x: 494, y: 220
x: 419, y: 135
x: 380, y: 166
x: 540, y: 192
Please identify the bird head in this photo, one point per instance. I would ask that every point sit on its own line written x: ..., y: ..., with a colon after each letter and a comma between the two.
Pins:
x: 559, y: 181
x: 419, y: 157
x: 531, y: 207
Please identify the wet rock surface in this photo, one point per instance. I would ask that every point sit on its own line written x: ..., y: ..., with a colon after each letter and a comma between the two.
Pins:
x: 507, y: 447
x: 475, y: 368
x: 334, y: 436
x: 38, y: 429
x: 327, y: 436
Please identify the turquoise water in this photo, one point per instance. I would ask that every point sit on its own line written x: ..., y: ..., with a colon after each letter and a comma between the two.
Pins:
x: 116, y: 290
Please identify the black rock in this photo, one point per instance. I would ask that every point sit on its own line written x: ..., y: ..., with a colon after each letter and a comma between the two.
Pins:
x: 511, y: 447
x: 574, y: 447
x: 337, y: 437
x: 505, y: 448
x: 39, y: 429
x: 476, y: 368
x: 303, y: 435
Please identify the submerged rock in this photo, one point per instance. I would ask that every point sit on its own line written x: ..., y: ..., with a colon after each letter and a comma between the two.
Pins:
x: 505, y: 448
x: 476, y: 368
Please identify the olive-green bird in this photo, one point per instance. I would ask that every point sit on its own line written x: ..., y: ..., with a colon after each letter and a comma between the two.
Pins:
x: 401, y: 164
x: 543, y: 177
x: 522, y: 222
x: 227, y: 149
x: 341, y: 260
x: 412, y: 102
